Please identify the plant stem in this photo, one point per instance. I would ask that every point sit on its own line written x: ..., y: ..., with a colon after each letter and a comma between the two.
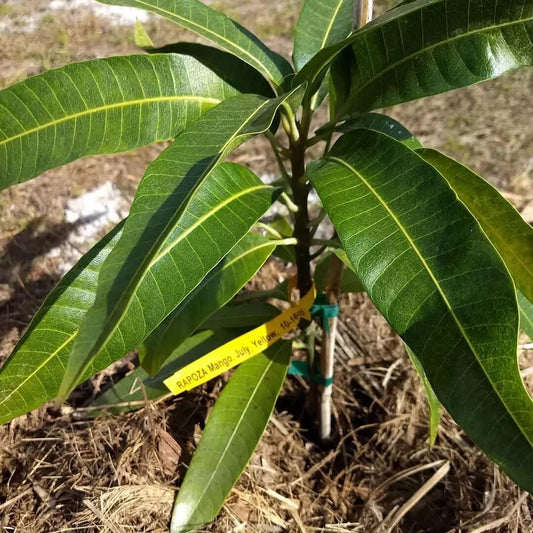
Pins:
x: 300, y: 191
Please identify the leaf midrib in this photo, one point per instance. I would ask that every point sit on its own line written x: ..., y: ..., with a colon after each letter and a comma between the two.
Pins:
x: 202, y: 219
x: 108, y: 107
x: 45, y: 362
x: 229, y: 43
x: 323, y: 44
x: 352, y: 39
x: 73, y: 335
x: 435, y: 282
x: 330, y: 25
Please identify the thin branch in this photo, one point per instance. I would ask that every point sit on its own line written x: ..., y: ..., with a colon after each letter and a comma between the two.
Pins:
x: 319, y: 252
x: 313, y: 225
x: 279, y: 150
x: 333, y: 243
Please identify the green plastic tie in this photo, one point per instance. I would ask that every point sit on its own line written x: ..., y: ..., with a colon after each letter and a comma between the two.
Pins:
x: 324, y: 310
x: 301, y: 368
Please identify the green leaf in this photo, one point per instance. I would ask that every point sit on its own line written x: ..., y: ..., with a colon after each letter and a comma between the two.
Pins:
x: 281, y: 225
x: 243, y: 315
x: 350, y: 281
x: 428, y: 47
x: 321, y: 24
x: 32, y: 373
x: 132, y: 391
x: 219, y: 29
x: 383, y: 124
x: 231, y: 434
x: 339, y: 80
x: 526, y: 314
x: 145, y: 290
x: 234, y: 71
x: 102, y: 106
x: 186, y: 216
x: 141, y: 37
x: 509, y: 233
x: 221, y: 284
x: 434, y: 275
x: 434, y: 406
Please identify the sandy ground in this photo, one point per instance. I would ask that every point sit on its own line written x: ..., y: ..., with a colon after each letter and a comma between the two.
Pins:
x: 61, y: 472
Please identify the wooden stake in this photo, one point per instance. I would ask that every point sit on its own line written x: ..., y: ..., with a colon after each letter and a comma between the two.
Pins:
x: 362, y: 15
x: 327, y: 354
x: 362, y: 12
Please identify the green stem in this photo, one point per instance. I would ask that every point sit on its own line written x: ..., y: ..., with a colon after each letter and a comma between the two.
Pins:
x: 291, y: 206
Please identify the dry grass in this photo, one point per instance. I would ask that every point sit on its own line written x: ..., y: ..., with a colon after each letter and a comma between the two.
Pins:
x: 60, y: 472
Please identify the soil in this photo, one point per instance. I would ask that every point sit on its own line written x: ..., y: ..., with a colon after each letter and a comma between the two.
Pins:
x: 63, y: 472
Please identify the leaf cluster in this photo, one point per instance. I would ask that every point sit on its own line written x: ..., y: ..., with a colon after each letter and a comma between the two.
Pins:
x: 443, y: 256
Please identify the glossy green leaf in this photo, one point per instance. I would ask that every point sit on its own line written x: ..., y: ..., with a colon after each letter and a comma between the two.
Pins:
x: 102, y: 106
x: 383, y: 124
x: 526, y: 314
x: 432, y: 47
x: 132, y: 391
x: 321, y: 24
x: 219, y: 29
x: 509, y: 233
x: 434, y: 406
x: 32, y: 373
x: 233, y: 70
x: 186, y: 216
x: 146, y: 290
x: 428, y: 47
x: 432, y: 272
x: 245, y: 315
x: 350, y: 282
x: 222, y: 283
x: 231, y: 434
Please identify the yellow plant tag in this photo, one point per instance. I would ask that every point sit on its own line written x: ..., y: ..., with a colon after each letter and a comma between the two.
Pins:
x: 242, y: 348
